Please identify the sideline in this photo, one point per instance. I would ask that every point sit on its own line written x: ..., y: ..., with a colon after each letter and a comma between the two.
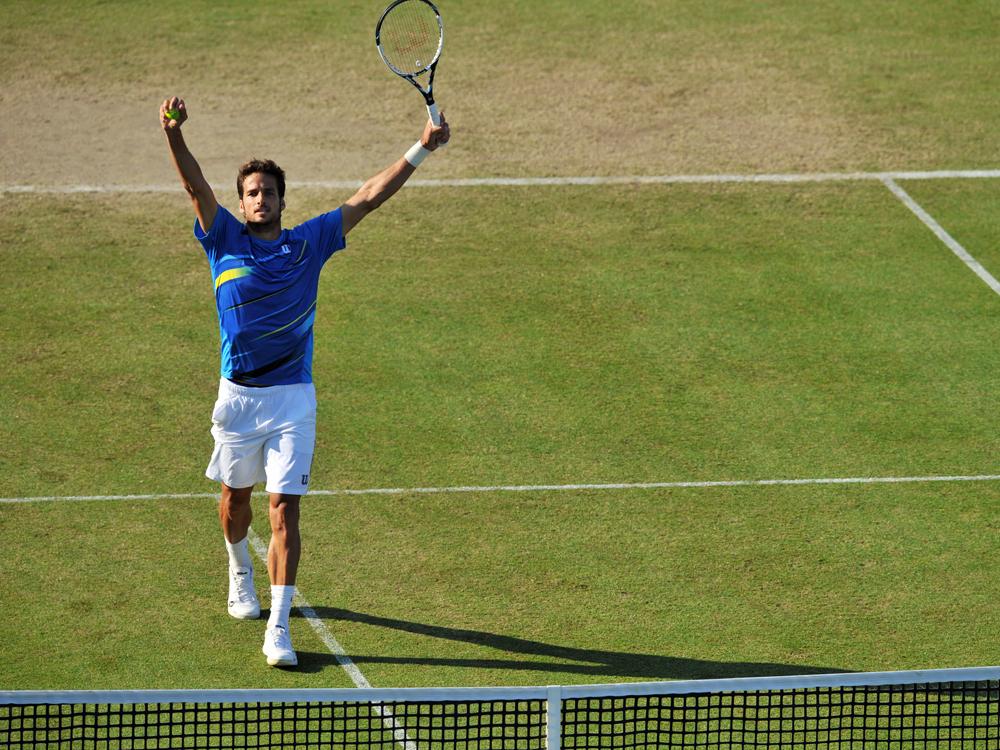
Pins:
x: 950, y: 242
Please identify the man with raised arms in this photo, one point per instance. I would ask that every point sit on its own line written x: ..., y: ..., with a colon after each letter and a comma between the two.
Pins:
x: 266, y: 279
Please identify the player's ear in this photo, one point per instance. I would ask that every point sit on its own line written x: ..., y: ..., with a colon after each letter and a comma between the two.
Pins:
x: 282, y: 204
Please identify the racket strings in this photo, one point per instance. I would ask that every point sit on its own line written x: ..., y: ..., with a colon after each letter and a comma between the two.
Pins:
x: 410, y: 37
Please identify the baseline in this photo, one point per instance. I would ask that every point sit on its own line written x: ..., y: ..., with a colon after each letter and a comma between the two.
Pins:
x: 579, y: 180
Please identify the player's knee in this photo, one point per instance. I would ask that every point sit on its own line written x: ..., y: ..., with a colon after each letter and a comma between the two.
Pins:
x: 284, y: 514
x: 236, y: 496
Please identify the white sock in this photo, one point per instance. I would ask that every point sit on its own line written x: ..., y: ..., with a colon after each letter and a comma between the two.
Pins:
x: 239, y: 555
x: 281, y: 605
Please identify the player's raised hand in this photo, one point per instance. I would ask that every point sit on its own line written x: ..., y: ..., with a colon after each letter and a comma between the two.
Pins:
x: 435, y: 135
x: 173, y: 113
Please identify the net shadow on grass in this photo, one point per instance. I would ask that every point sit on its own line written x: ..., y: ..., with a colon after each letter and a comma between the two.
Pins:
x: 554, y: 658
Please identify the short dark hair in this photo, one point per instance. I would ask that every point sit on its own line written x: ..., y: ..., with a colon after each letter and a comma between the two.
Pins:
x: 263, y: 166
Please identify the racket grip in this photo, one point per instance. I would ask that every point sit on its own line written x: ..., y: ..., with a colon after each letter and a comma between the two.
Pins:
x: 432, y: 110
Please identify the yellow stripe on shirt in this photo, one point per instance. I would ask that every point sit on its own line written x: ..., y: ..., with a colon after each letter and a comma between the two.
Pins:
x: 301, y: 253
x: 287, y: 325
x: 232, y: 273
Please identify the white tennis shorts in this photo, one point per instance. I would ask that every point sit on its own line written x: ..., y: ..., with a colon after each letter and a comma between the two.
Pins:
x: 264, y: 434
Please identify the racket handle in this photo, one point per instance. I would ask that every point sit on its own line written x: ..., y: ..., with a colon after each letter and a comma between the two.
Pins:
x: 432, y: 110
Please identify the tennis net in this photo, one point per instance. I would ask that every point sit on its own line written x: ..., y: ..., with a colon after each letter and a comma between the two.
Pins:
x: 957, y: 708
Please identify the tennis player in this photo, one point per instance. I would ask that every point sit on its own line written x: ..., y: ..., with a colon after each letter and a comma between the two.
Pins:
x: 265, y: 279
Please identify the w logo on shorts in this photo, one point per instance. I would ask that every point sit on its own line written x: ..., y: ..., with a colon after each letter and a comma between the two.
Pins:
x: 305, y: 479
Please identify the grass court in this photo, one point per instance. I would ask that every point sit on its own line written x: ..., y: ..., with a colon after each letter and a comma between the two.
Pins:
x: 491, y: 335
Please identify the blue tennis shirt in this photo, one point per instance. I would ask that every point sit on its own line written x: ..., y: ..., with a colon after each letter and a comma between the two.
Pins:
x: 265, y: 293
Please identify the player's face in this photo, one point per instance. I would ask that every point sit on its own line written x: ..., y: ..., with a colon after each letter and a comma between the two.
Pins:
x: 260, y: 203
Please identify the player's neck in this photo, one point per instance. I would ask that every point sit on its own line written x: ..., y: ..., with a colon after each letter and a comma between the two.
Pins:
x: 269, y: 231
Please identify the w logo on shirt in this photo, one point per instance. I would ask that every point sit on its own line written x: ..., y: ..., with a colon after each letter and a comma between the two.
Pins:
x: 286, y: 250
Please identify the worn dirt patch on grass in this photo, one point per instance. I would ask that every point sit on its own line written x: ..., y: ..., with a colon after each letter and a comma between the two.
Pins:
x: 553, y: 89
x: 569, y: 121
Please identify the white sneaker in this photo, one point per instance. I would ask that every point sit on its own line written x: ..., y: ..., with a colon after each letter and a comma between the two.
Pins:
x: 243, y: 603
x: 278, y: 648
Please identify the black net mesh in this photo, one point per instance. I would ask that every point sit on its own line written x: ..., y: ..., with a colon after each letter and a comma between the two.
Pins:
x: 940, y: 715
x: 962, y: 715
x: 459, y: 725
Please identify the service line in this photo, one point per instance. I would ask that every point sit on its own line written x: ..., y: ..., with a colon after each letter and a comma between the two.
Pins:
x: 535, y: 488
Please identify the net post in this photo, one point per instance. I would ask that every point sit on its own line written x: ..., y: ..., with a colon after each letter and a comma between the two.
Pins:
x: 553, y: 718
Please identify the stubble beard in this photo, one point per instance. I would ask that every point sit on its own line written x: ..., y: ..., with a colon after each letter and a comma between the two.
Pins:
x: 264, y: 227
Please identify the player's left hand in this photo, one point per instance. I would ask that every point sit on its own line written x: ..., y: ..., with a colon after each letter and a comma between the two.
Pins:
x: 435, y: 135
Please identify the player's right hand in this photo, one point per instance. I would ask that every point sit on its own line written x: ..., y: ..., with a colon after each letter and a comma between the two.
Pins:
x: 177, y: 105
x: 435, y: 135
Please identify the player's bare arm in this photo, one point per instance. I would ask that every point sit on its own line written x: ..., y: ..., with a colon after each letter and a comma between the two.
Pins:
x: 173, y: 114
x: 378, y: 189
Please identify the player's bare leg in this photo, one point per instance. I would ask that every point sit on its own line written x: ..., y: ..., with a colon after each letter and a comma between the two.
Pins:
x: 235, y: 515
x: 282, y: 564
x: 286, y: 547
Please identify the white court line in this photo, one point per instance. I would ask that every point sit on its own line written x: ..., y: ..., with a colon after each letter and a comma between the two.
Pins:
x: 331, y: 642
x: 543, y: 181
x: 537, y: 488
x: 942, y: 235
x: 314, y: 620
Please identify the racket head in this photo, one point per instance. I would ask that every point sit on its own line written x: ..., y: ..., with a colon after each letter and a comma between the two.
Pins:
x: 410, y: 37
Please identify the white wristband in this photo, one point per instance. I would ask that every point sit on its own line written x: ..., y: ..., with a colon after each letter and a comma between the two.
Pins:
x: 416, y: 154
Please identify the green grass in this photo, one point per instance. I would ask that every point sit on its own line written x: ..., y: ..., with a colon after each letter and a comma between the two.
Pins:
x: 600, y: 587
x: 518, y: 589
x: 515, y: 336
x: 969, y: 210
x: 721, y: 333
x: 126, y: 595
x: 501, y: 336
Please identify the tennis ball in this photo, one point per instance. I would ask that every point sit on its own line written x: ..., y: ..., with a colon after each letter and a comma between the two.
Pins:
x: 173, y: 114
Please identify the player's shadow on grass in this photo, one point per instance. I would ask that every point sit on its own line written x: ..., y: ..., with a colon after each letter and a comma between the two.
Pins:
x: 313, y: 662
x: 558, y: 658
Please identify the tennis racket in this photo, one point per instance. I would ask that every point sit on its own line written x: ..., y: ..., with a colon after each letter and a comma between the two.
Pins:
x: 409, y: 37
